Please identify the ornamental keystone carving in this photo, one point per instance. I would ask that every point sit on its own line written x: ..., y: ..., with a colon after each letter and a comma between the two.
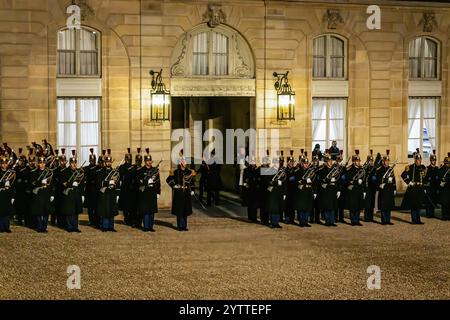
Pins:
x: 428, y: 21
x: 214, y: 15
x: 333, y: 18
x: 85, y: 9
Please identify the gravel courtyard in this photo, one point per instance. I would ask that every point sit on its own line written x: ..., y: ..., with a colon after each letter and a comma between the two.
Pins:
x: 224, y: 257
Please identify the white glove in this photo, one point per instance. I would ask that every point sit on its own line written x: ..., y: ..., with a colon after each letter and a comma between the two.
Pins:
x: 192, y: 193
x: 44, y: 181
x: 12, y: 201
x: 390, y: 180
x: 245, y: 184
x: 308, y: 180
x: 284, y: 197
x: 333, y: 180
x: 411, y: 183
x: 442, y: 184
x: 75, y: 184
x: 315, y: 196
x: 359, y: 181
x: 364, y: 195
x: 382, y: 186
x: 111, y: 182
x: 150, y: 181
x: 280, y: 183
x: 82, y: 198
x: 117, y: 199
x: 52, y: 198
x: 338, y: 194
x: 425, y: 191
x: 157, y: 196
x: 7, y: 184
x: 395, y: 193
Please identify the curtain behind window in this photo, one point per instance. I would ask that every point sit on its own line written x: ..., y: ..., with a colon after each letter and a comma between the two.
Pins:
x: 66, y: 52
x: 319, y: 57
x: 337, y: 58
x: 88, y: 52
x: 429, y: 59
x: 220, y: 54
x: 200, y: 54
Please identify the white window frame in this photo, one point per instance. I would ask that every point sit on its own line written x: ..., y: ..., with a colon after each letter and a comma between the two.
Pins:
x: 422, y: 58
x: 211, y: 67
x: 78, y: 123
x: 328, y: 57
x: 421, y: 122
x: 77, y: 55
x: 328, y: 120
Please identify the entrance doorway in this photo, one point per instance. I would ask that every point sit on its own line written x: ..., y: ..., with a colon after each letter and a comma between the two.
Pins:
x: 215, y: 113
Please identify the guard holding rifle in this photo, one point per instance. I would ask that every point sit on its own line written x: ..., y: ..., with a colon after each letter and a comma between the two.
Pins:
x: 127, y: 198
x: 7, y: 178
x: 414, y: 177
x: 291, y: 189
x: 21, y: 184
x: 276, y: 188
x: 387, y: 189
x: 71, y: 182
x: 182, y: 183
x: 42, y: 194
x: 432, y: 181
x: 251, y: 190
x: 371, y: 186
x: 355, y: 193
x: 107, y: 182
x: 305, y: 176
x: 444, y: 188
x: 90, y: 193
x: 149, y: 189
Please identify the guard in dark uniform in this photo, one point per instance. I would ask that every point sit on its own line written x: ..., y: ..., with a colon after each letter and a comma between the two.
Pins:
x: 90, y: 190
x: 135, y: 220
x: 387, y: 189
x: 432, y: 181
x: 276, y: 191
x: 414, y: 177
x: 264, y: 184
x: 203, y: 173
x: 107, y: 183
x: 29, y: 220
x: 250, y: 191
x: 355, y: 193
x: 57, y: 218
x: 444, y: 188
x: 71, y: 180
x: 7, y: 178
x: 21, y: 183
x: 305, y: 177
x: 182, y: 183
x: 315, y: 214
x: 327, y: 178
x: 149, y: 190
x: 371, y: 186
x: 213, y: 182
x: 291, y: 189
x: 127, y: 198
x: 342, y: 186
x: 42, y: 194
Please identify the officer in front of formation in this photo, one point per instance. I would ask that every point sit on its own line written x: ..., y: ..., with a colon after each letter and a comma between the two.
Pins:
x: 42, y: 194
x: 414, y: 177
x: 182, y: 183
x: 387, y: 189
x: 107, y: 182
x: 7, y: 179
x: 432, y: 181
x: 71, y: 202
x: 444, y: 188
x: 149, y: 190
x: 355, y: 192
x: 251, y: 190
x: 329, y: 190
x: 90, y: 194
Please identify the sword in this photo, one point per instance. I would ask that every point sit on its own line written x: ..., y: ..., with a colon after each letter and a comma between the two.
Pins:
x: 198, y: 200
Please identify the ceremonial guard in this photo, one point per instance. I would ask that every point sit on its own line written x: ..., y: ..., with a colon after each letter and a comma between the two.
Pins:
x: 387, y: 189
x: 305, y: 191
x: 21, y: 183
x: 355, y: 193
x: 203, y: 172
x: 276, y: 192
x: 251, y: 190
x: 149, y: 190
x: 29, y: 220
x: 7, y: 178
x: 71, y: 201
x: 264, y: 193
x: 444, y: 188
x: 432, y: 181
x: 57, y: 217
x: 414, y: 177
x: 342, y: 184
x: 135, y: 220
x: 42, y: 194
x: 214, y: 181
x: 90, y: 190
x: 182, y: 183
x: 291, y: 189
x: 127, y: 198
x: 107, y: 182
x: 327, y: 178
x: 371, y: 186
x: 315, y: 214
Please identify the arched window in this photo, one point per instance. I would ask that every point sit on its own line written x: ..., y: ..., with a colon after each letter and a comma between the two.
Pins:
x: 210, y: 54
x: 423, y: 58
x: 78, y: 52
x: 329, y: 57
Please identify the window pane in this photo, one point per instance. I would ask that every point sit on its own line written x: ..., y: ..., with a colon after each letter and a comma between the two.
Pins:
x: 89, y: 134
x: 200, y: 54
x: 413, y: 144
x: 337, y: 67
x: 414, y: 58
x: 319, y: 129
x: 67, y: 134
x: 414, y: 67
x: 319, y: 109
x: 337, y: 108
x: 319, y: 60
x: 88, y: 40
x: 336, y: 130
x: 66, y: 39
x: 66, y: 110
x: 89, y: 110
x: 414, y: 128
x: 220, y: 53
x: 429, y: 107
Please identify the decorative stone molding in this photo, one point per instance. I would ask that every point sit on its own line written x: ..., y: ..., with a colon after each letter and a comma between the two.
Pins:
x: 178, y: 68
x: 425, y: 88
x: 428, y: 21
x: 330, y: 88
x: 333, y: 18
x: 214, y: 16
x: 201, y: 87
x: 78, y: 87
x: 85, y: 9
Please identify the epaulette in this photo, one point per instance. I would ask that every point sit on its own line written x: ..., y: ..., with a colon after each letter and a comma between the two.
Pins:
x: 33, y: 170
x: 379, y: 168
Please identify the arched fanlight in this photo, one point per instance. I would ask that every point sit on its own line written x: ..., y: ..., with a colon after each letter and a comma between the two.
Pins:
x: 160, y: 99
x: 285, y: 97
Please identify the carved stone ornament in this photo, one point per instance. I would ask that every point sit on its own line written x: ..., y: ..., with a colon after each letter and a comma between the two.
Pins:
x: 333, y: 18
x: 214, y: 15
x: 242, y: 70
x: 85, y: 9
x: 178, y: 67
x: 428, y: 21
